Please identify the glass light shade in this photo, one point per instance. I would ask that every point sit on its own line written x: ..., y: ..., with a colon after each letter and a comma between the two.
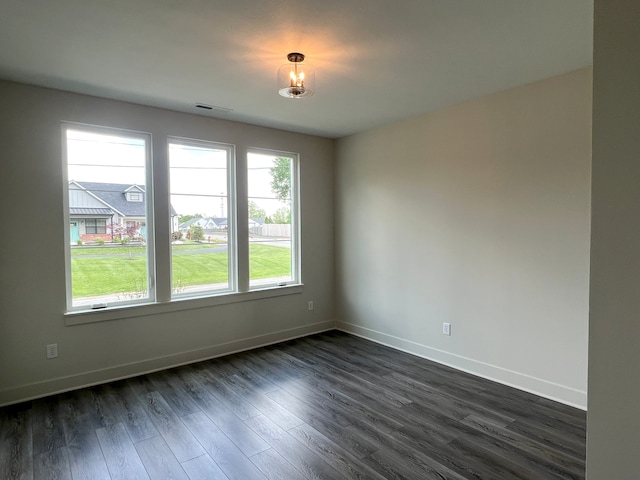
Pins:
x: 296, y: 80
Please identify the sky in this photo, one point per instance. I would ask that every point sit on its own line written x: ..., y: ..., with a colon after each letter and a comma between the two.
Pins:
x: 198, y: 173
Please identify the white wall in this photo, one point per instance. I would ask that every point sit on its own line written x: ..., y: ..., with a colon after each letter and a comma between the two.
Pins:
x: 32, y: 278
x: 614, y: 338
x: 477, y: 215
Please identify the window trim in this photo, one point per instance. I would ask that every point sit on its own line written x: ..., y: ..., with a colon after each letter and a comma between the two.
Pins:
x: 296, y: 234
x: 238, y: 278
x: 150, y: 243
x: 95, y: 226
x: 134, y: 197
x: 232, y: 263
x: 80, y: 317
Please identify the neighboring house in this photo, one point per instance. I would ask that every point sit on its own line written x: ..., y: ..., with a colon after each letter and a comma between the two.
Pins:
x: 185, y: 226
x: 213, y: 224
x: 98, y: 210
x: 208, y: 225
x: 220, y: 222
x: 255, y: 225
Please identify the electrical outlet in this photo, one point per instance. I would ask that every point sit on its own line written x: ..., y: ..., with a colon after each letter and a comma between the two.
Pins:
x: 446, y: 328
x: 52, y: 350
x: 310, y: 305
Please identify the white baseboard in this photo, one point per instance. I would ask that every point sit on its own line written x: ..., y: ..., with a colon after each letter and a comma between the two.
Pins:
x: 538, y: 386
x: 118, y: 372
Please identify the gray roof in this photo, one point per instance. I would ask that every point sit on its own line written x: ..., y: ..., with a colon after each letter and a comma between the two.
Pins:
x: 189, y: 222
x: 107, y: 212
x: 217, y: 221
x: 114, y: 194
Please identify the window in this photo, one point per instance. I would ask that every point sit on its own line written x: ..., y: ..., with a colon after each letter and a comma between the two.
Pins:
x: 95, y: 225
x: 134, y: 196
x: 110, y: 225
x: 108, y: 260
x: 273, y: 219
x: 200, y: 179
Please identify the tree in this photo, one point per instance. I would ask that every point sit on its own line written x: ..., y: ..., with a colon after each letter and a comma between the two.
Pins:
x: 116, y: 230
x: 255, y: 211
x: 281, y: 178
x: 129, y: 231
x: 197, y: 233
x: 186, y: 218
x: 132, y: 229
x: 282, y: 215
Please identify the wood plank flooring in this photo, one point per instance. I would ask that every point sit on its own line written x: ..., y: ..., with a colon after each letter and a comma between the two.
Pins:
x: 329, y: 406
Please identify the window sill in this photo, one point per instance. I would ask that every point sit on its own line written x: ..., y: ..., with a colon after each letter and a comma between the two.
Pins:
x: 82, y: 317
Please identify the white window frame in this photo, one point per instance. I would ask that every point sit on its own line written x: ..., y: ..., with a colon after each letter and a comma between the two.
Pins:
x: 134, y: 197
x: 232, y: 249
x: 295, y: 218
x: 239, y: 289
x: 150, y: 244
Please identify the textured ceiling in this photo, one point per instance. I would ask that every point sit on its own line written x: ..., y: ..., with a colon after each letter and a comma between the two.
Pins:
x: 376, y: 61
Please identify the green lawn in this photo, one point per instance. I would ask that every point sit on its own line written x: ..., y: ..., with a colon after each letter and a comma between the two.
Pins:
x: 123, y: 269
x: 133, y: 249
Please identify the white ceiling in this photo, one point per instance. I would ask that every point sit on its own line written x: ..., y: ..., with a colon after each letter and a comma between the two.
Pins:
x: 376, y: 61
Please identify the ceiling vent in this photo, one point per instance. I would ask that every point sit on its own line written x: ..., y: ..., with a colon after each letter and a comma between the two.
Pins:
x: 213, y: 108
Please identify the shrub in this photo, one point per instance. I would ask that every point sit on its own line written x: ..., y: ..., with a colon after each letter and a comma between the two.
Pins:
x: 79, y: 242
x: 100, y: 242
x: 197, y: 233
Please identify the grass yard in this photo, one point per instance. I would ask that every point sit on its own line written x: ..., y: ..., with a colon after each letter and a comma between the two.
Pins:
x: 199, y: 269
x: 122, y: 270
x: 134, y: 249
x: 267, y: 261
x: 108, y: 275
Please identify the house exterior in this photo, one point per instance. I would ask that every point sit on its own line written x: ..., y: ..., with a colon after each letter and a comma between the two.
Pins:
x: 208, y: 225
x: 221, y: 223
x: 108, y: 211
x: 255, y: 225
x: 212, y: 225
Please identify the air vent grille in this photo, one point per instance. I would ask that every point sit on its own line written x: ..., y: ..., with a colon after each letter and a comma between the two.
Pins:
x: 213, y: 108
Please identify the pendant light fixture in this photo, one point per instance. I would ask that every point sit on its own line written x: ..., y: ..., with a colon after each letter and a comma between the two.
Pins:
x: 296, y: 79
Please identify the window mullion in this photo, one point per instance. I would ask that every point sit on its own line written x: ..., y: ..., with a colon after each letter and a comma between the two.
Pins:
x: 242, y: 221
x: 161, y: 219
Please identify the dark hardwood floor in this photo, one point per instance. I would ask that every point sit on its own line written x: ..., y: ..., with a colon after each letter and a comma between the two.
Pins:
x: 329, y: 406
